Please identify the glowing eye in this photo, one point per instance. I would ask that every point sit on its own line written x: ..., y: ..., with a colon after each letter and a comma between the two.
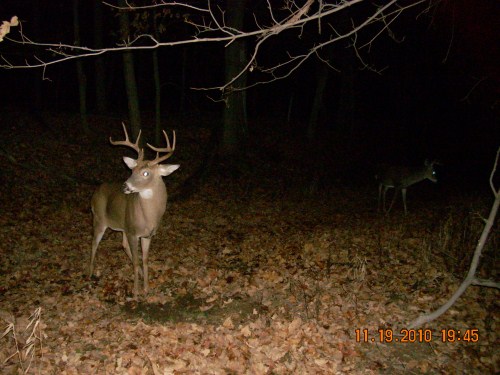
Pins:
x: 145, y: 174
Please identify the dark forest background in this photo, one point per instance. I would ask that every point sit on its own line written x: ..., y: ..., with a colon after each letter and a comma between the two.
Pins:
x: 434, y: 93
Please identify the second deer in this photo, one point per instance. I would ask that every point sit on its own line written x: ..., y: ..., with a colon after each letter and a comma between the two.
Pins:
x: 400, y: 178
x: 134, y: 207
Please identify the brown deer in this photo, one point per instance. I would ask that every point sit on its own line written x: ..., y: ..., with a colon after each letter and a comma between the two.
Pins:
x: 134, y: 207
x: 400, y: 178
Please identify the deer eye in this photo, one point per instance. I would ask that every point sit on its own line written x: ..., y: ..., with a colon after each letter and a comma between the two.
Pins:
x: 145, y: 174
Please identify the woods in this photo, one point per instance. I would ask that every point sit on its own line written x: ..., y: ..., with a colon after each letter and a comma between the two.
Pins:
x: 294, y: 121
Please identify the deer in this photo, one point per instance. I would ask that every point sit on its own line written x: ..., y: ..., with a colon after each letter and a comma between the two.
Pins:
x: 400, y: 178
x: 134, y: 207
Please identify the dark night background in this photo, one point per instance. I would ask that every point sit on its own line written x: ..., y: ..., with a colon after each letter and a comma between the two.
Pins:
x: 424, y: 104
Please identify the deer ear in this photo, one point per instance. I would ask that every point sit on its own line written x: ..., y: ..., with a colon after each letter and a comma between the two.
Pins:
x: 131, y: 163
x: 166, y: 169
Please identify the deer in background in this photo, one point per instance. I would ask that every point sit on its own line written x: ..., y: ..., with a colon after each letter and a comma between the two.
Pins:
x: 400, y: 178
x: 134, y: 207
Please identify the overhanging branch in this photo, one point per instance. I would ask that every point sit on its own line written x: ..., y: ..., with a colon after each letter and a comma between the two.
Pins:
x: 209, y: 27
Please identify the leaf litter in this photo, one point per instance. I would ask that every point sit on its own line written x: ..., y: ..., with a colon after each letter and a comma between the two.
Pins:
x: 247, y: 276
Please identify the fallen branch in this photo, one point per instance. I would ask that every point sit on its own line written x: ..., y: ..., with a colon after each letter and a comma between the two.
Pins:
x: 471, y: 278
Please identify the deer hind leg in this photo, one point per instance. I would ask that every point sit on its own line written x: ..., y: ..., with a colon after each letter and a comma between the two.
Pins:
x: 126, y: 247
x: 145, y: 242
x: 403, y: 194
x: 396, y: 191
x: 384, y: 194
x: 98, y: 233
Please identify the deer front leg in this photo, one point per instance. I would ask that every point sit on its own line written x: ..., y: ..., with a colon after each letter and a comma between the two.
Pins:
x: 145, y: 242
x: 133, y: 242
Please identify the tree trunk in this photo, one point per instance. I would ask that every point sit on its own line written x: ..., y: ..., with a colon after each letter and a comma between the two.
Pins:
x: 157, y: 84
x: 82, y: 79
x: 100, y: 69
x: 182, y: 105
x: 129, y: 74
x: 317, y: 148
x: 345, y: 118
x: 235, y: 123
x: 156, y: 77
x: 321, y: 80
x: 38, y: 83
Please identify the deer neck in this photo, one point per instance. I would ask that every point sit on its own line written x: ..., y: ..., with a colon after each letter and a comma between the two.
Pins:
x: 148, y: 208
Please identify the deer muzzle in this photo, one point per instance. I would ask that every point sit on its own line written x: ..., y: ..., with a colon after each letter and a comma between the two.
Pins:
x: 127, y: 188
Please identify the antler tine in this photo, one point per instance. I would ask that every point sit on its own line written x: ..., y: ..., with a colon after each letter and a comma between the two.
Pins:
x: 169, y: 149
x: 126, y: 142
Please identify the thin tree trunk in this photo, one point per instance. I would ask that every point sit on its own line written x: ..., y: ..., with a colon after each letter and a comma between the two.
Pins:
x: 345, y: 118
x: 157, y: 84
x: 100, y: 69
x: 129, y: 75
x: 37, y: 28
x: 235, y: 126
x: 183, y: 83
x: 82, y: 79
x: 156, y: 76
x: 321, y: 80
x: 316, y: 148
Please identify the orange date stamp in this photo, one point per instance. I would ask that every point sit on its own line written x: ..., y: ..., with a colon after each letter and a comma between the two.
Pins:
x: 387, y: 335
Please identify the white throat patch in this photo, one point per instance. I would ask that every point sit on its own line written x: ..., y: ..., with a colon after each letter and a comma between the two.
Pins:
x: 146, y: 194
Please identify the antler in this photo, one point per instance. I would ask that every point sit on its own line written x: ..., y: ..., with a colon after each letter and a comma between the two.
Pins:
x: 126, y: 142
x: 168, y: 149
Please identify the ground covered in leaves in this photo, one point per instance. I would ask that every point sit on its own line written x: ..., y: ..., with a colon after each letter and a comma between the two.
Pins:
x: 250, y: 274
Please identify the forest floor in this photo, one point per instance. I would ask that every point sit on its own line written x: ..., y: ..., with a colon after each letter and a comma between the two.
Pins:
x: 248, y: 275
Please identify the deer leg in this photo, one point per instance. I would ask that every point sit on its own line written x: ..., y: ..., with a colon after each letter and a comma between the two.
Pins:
x: 383, y: 198
x: 98, y: 233
x: 126, y: 247
x: 133, y: 242
x: 145, y: 242
x: 403, y: 194
x: 393, y: 199
x: 127, y: 250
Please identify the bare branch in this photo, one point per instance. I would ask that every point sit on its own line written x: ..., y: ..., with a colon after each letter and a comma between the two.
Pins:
x: 486, y: 283
x: 470, y: 279
x: 297, y: 61
x: 466, y: 97
x: 160, y: 4
x: 493, y: 171
x: 212, y: 28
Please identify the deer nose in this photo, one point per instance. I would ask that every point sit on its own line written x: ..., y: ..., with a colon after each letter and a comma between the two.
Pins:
x: 126, y: 189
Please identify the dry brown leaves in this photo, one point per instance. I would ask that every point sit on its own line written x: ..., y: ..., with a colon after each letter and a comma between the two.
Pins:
x: 244, y: 280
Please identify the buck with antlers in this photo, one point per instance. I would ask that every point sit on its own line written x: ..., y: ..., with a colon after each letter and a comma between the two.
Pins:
x: 134, y: 207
